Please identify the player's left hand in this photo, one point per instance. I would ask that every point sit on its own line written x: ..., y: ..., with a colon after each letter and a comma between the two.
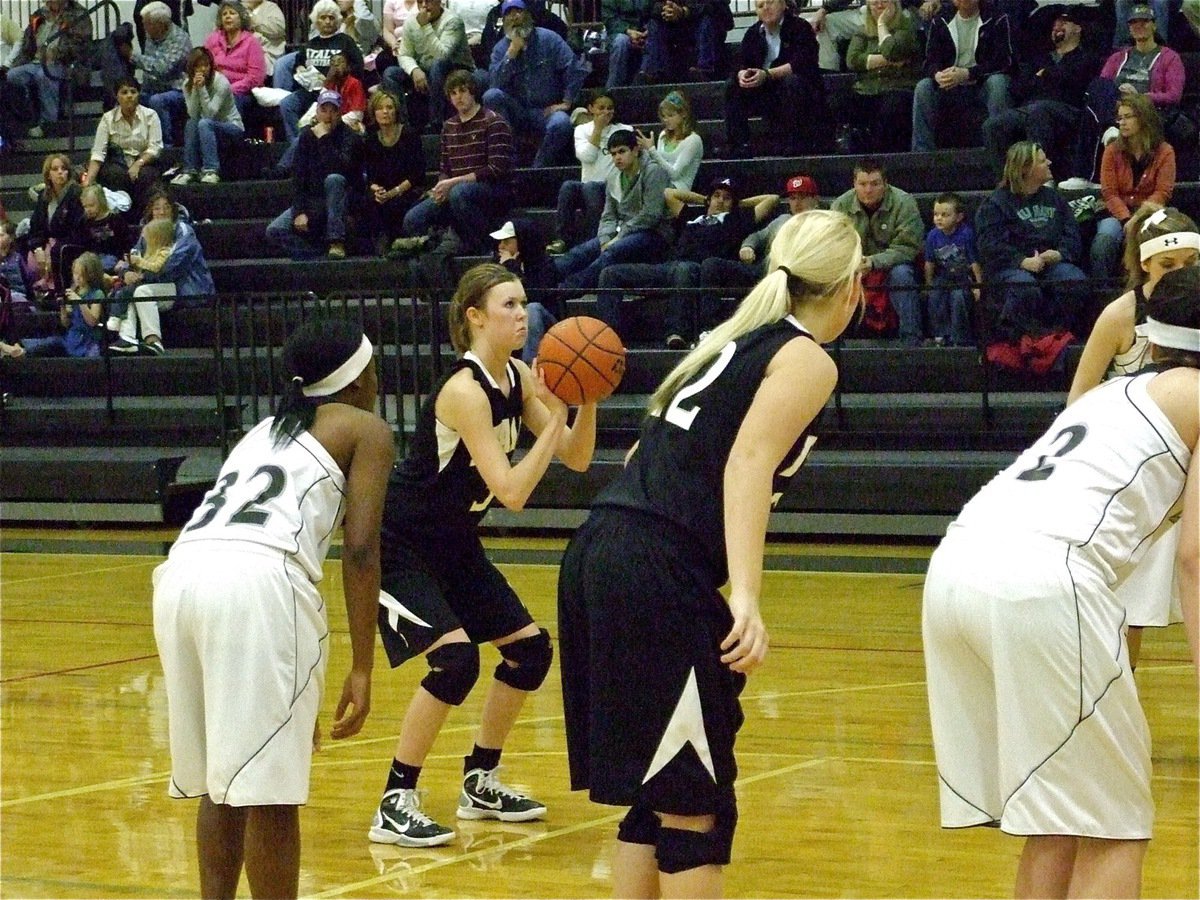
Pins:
x: 556, y: 406
x: 745, y: 647
x: 317, y: 735
x: 353, y: 706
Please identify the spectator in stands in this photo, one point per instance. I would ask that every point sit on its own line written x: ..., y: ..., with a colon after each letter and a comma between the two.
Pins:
x: 395, y: 167
x: 361, y: 26
x: 711, y: 227
x: 889, y: 223
x: 1029, y: 245
x: 162, y: 63
x: 102, y: 231
x: 183, y: 280
x: 886, y: 54
x: 777, y: 76
x: 236, y: 54
x: 679, y: 149
x: 535, y: 79
x: 326, y: 177
x: 1159, y: 11
x: 835, y: 22
x: 634, y: 226
x: 313, y: 61
x: 952, y: 274
x: 1050, y: 93
x: 56, y: 221
x: 473, y: 191
x: 1137, y: 168
x: 581, y: 202
x: 968, y: 59
x: 395, y: 14
x: 213, y: 116
x: 493, y: 29
x: 1144, y: 68
x: 625, y: 24
x: 126, y: 148
x: 474, y: 14
x: 519, y: 249
x: 12, y: 269
x: 57, y: 35
x: 79, y: 314
x: 269, y: 27
x: 685, y: 40
x: 180, y: 11
x: 717, y: 275
x: 433, y: 44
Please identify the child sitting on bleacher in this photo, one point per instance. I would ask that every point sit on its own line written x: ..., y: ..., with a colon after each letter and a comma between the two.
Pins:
x: 79, y: 314
x: 158, y: 237
x: 952, y: 272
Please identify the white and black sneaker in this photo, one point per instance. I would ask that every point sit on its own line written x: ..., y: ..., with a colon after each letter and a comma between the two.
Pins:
x: 484, y: 797
x: 399, y: 820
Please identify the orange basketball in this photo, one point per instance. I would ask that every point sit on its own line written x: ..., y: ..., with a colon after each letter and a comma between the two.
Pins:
x: 582, y: 360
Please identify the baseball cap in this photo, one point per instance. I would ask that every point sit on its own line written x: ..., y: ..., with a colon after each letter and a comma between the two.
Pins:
x: 1070, y: 13
x: 511, y: 4
x: 1140, y: 13
x: 328, y: 96
x: 507, y: 230
x: 801, y: 184
x: 723, y: 183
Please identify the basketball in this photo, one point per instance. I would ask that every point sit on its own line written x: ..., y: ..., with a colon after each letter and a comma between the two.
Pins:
x: 582, y: 360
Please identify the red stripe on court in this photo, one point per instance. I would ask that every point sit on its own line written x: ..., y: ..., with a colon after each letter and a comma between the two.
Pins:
x: 115, y: 662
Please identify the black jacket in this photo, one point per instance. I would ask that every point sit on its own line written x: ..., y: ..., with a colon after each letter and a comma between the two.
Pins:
x: 340, y: 152
x: 993, y: 50
x: 797, y: 45
x: 1065, y: 80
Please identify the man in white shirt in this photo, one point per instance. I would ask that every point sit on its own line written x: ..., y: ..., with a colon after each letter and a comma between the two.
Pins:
x: 433, y: 44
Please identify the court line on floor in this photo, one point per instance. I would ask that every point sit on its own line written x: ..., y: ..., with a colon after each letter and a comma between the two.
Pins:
x: 99, y: 665
x: 539, y: 838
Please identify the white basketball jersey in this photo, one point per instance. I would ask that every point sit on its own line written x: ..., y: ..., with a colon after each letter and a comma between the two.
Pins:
x: 289, y: 497
x: 1104, y: 478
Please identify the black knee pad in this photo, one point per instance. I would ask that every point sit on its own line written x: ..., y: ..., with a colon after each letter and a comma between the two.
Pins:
x: 641, y: 825
x: 531, y: 657
x: 453, y: 671
x: 679, y: 850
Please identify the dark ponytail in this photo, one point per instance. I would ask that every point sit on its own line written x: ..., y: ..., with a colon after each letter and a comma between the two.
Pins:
x: 1176, y: 301
x: 312, y: 351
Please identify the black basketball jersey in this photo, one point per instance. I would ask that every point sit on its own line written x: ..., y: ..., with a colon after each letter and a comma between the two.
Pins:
x: 678, y: 470
x: 436, y: 487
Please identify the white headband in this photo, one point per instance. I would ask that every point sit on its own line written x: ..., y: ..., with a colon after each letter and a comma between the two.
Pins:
x: 343, y: 374
x: 1176, y: 337
x: 1176, y: 240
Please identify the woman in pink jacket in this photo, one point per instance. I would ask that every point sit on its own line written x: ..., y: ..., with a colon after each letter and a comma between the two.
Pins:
x: 237, y: 53
x: 1138, y: 167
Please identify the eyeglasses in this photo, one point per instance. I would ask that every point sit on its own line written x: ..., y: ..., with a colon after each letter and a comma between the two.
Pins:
x: 1127, y: 118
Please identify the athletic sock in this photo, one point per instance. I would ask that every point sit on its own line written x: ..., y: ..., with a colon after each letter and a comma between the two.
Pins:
x: 402, y: 776
x: 482, y: 758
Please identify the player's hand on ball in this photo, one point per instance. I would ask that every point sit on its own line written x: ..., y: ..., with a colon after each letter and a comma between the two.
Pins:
x: 543, y: 393
x: 745, y: 647
x: 353, y: 706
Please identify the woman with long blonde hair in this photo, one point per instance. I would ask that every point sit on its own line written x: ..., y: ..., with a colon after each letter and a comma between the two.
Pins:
x: 679, y: 148
x: 650, y: 649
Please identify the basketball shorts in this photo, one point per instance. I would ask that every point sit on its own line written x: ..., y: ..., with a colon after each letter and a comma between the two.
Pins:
x: 1036, y: 720
x: 423, y: 598
x: 243, y: 640
x: 1150, y: 593
x: 651, y: 712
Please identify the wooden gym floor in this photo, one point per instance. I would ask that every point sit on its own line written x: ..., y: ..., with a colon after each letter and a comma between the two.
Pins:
x: 837, y: 791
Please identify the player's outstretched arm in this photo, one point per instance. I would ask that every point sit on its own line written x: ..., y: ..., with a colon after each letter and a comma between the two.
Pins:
x: 366, y: 487
x: 578, y: 441
x: 798, y: 383
x: 463, y: 406
x: 1110, y: 334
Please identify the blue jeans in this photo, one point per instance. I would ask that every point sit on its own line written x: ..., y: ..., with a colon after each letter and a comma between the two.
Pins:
x: 473, y: 210
x: 291, y: 108
x: 710, y: 44
x: 35, y: 84
x: 1025, y: 301
x: 1049, y: 123
x: 623, y: 61
x: 538, y: 322
x: 1107, y: 247
x: 285, y: 70
x: 929, y: 100
x: 580, y: 268
x: 950, y: 312
x: 200, y: 143
x: 556, y: 129
x: 423, y: 108
x: 580, y: 204
x: 307, y: 245
x: 681, y: 275
x: 170, y: 106
x: 902, y: 291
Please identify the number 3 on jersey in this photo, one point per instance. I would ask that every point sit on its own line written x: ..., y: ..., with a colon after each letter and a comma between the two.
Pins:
x: 1044, y: 469
x: 683, y: 417
x: 250, y: 512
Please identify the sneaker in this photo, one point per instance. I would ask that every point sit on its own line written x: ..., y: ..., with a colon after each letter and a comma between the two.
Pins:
x: 484, y: 797
x: 337, y: 250
x: 556, y: 247
x: 36, y: 133
x: 210, y: 177
x: 676, y: 342
x: 113, y: 323
x: 1078, y: 184
x: 407, y: 246
x: 124, y: 346
x: 184, y: 178
x: 579, y: 115
x: 399, y: 820
x: 156, y: 348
